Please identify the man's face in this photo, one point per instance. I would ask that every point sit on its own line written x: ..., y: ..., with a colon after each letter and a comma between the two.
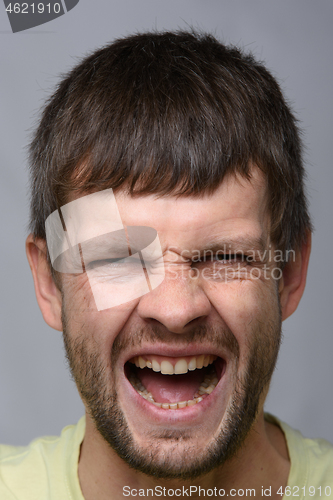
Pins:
x: 220, y: 310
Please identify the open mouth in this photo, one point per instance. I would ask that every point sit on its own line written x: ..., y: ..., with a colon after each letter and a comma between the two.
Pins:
x: 175, y: 383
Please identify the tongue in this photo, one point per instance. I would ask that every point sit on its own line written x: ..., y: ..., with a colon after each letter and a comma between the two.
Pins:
x: 171, y: 388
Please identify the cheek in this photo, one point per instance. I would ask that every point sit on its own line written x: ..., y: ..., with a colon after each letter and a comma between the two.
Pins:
x: 84, y: 320
x: 245, y: 306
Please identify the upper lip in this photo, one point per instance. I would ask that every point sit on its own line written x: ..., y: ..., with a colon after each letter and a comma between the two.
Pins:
x: 175, y: 351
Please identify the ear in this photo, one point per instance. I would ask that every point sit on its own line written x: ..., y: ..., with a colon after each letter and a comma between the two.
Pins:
x: 293, y: 280
x: 47, y: 294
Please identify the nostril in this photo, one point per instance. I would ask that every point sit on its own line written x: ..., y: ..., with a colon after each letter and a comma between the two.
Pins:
x: 196, y: 321
x: 174, y: 324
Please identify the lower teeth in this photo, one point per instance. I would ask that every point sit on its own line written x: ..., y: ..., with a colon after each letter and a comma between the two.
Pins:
x: 206, y: 387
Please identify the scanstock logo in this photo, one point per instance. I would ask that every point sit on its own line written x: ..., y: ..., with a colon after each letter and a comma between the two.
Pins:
x: 25, y: 15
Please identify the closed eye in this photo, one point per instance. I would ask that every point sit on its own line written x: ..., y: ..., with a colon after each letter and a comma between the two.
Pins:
x: 112, y: 263
x: 223, y: 258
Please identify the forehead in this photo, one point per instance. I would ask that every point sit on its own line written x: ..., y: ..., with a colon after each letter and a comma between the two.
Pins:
x: 238, y: 205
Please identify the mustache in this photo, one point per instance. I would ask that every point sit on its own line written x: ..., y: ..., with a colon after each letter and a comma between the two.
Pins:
x: 218, y: 337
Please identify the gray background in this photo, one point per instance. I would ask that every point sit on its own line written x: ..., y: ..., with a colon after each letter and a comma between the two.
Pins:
x: 294, y: 37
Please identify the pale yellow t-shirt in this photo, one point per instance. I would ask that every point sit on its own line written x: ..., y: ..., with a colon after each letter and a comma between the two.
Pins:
x: 47, y: 468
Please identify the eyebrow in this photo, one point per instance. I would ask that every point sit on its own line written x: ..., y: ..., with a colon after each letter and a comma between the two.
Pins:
x: 241, y: 244
x: 100, y: 247
x: 120, y: 244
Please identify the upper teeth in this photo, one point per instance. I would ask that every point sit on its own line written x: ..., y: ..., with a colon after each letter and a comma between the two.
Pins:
x: 181, y: 366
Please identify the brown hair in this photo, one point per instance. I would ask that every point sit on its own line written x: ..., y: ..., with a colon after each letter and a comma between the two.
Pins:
x: 168, y: 113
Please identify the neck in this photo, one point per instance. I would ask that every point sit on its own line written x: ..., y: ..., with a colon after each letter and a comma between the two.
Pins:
x: 261, y: 464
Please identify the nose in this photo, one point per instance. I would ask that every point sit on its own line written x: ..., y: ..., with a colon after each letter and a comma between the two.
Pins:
x: 178, y: 304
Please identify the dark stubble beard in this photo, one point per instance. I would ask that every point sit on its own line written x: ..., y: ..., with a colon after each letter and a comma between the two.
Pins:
x: 94, y: 382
